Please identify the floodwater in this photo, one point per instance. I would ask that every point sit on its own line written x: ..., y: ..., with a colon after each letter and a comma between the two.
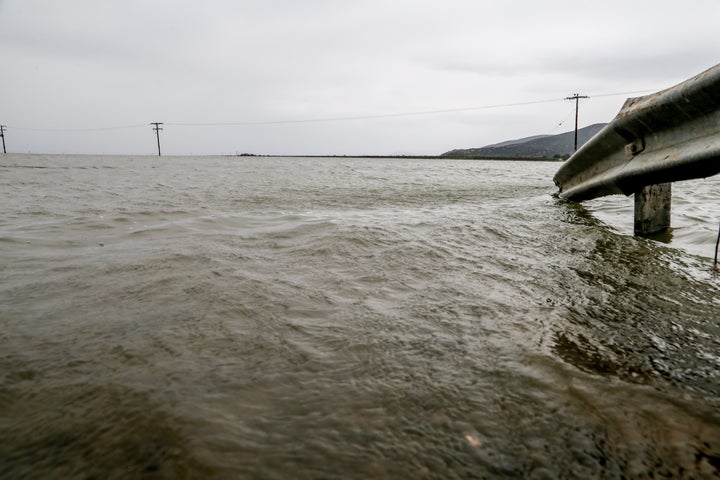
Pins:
x: 275, y: 318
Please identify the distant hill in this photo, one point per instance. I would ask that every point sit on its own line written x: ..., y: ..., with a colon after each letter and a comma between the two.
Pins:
x: 539, y: 146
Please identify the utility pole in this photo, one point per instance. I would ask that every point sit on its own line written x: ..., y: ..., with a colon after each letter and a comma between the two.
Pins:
x: 2, y: 135
x: 157, y: 129
x: 577, y: 98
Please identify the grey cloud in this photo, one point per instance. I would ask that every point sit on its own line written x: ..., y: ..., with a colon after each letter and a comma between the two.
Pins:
x: 135, y: 61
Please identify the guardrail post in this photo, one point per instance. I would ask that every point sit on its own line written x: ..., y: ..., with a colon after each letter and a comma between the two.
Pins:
x: 652, y: 209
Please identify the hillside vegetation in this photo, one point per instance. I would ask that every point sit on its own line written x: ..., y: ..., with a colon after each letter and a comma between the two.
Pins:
x: 536, y: 147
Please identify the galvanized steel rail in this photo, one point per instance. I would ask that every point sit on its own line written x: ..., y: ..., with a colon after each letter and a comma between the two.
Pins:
x: 664, y: 137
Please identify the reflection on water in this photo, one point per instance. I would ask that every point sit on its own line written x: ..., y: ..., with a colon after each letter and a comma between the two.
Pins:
x: 664, y: 236
x: 347, y: 318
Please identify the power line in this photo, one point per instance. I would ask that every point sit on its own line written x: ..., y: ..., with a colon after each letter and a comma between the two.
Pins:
x: 324, y: 119
x: 620, y: 93
x: 94, y: 129
x: 361, y: 117
x: 386, y: 115
x: 562, y: 122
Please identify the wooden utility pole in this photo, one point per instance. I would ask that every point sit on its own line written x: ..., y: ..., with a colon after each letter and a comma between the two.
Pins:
x: 577, y: 98
x: 2, y: 135
x: 157, y: 129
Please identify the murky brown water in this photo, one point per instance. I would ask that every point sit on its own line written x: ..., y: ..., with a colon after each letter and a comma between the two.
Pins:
x: 348, y: 318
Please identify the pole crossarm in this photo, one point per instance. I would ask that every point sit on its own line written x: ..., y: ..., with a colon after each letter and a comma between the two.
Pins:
x: 576, y: 96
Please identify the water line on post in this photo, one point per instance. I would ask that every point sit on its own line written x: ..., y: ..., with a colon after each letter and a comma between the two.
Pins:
x: 717, y: 244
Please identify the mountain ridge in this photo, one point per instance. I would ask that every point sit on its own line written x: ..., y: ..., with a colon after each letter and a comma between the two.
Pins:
x: 534, y: 147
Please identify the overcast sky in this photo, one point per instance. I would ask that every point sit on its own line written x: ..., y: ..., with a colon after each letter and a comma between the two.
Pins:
x: 274, y: 66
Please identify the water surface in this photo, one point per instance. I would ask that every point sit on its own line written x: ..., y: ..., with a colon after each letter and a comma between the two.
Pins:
x: 210, y: 317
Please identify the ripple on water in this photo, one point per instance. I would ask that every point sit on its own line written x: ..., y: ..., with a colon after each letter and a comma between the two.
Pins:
x: 275, y: 318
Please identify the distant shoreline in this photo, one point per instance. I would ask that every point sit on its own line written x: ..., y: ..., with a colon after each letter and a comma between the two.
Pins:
x: 249, y: 155
x: 410, y: 157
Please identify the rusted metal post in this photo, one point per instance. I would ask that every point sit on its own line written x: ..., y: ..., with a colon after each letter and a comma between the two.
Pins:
x: 652, y: 209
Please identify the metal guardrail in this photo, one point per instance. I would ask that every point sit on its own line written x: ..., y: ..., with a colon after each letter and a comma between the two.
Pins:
x: 664, y: 137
